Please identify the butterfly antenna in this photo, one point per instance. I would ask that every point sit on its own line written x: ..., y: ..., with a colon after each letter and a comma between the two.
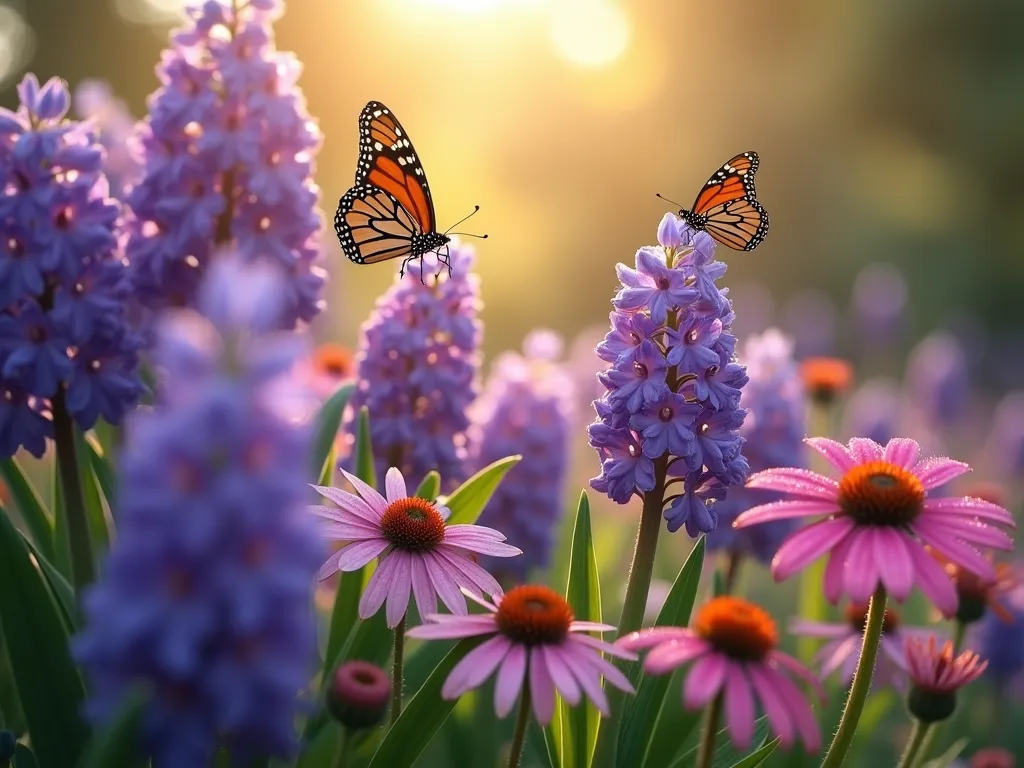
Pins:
x: 677, y: 205
x: 464, y: 218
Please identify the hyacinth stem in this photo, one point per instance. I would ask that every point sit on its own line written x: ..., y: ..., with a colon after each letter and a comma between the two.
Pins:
x: 861, y: 683
x: 732, y: 571
x: 396, y: 671
x: 916, y: 744
x: 79, y: 544
x: 959, y: 629
x: 522, y: 718
x: 706, y: 748
x: 341, y: 754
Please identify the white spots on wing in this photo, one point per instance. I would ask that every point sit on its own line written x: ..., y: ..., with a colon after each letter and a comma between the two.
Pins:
x: 377, y: 113
x: 398, y: 131
x: 401, y: 161
x: 378, y: 146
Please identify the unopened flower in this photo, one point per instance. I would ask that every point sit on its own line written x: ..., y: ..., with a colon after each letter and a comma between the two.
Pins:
x: 732, y: 647
x: 533, y: 639
x: 358, y: 693
x: 419, y: 554
x: 878, y: 520
x: 993, y: 757
x: 328, y: 368
x: 936, y: 674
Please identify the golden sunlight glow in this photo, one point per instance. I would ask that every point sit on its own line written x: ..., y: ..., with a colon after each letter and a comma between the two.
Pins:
x: 17, y: 43
x: 157, y: 12
x: 591, y: 33
x: 466, y: 6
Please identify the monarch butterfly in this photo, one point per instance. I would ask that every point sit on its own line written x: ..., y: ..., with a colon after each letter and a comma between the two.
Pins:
x: 726, y: 206
x: 388, y: 213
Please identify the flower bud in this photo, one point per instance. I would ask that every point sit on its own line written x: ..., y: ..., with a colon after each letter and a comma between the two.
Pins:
x: 357, y: 696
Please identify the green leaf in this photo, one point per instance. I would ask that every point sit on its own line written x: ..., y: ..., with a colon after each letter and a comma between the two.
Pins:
x: 578, y: 725
x: 115, y: 745
x: 29, y: 505
x: 99, y: 531
x: 757, y: 757
x: 11, y: 716
x: 49, y: 687
x: 947, y: 758
x: 430, y: 487
x: 61, y: 541
x: 725, y: 753
x: 327, y: 424
x: 423, y: 715
x: 23, y: 757
x: 365, y: 469
x: 550, y: 743
x: 468, y: 500
x: 642, y: 712
x: 103, y: 468
x: 319, y: 751
x: 345, y: 615
x: 60, y: 587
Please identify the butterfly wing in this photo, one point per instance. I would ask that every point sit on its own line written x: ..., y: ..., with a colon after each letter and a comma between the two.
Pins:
x: 373, y: 226
x: 388, y: 160
x: 728, y: 204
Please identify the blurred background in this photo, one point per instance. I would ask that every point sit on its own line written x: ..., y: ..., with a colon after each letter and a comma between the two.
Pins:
x: 888, y: 132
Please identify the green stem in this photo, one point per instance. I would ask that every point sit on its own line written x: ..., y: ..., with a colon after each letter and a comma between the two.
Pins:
x: 341, y: 753
x: 396, y: 671
x: 915, y: 744
x: 79, y: 544
x: 861, y: 683
x: 520, y: 734
x: 959, y: 630
x: 706, y: 749
x: 732, y: 569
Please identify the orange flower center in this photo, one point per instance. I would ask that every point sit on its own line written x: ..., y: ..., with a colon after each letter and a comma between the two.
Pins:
x: 857, y: 617
x: 735, y: 627
x: 333, y: 360
x: 534, y: 615
x: 881, y: 493
x: 413, y: 524
x: 825, y: 378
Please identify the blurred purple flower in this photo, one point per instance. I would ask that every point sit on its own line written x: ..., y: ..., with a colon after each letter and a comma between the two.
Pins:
x: 525, y: 408
x: 774, y: 429
x: 938, y: 379
x: 1002, y: 643
x: 809, y: 318
x: 228, y: 150
x: 418, y: 367
x: 873, y: 411
x: 94, y: 100
x: 879, y: 300
x: 1006, y: 439
x: 63, y: 331
x: 207, y: 592
x: 671, y: 410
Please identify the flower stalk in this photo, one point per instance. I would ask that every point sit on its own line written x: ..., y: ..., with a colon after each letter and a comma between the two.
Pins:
x: 396, y: 671
x: 706, y: 749
x: 79, y: 542
x: 916, y: 744
x: 522, y: 718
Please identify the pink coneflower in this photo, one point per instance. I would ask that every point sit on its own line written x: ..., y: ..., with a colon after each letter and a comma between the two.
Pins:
x: 419, y: 554
x: 878, y: 521
x: 936, y: 675
x: 842, y: 648
x: 733, y: 649
x: 534, y: 638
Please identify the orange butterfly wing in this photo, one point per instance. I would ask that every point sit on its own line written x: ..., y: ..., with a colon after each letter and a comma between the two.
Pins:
x: 373, y: 226
x: 728, y: 203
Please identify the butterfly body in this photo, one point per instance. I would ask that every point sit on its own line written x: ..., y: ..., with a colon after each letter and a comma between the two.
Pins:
x: 388, y: 213
x: 726, y: 206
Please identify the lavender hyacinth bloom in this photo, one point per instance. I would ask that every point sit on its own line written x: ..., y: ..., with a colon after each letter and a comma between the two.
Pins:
x: 525, y: 408
x: 207, y: 592
x: 1002, y: 643
x: 937, y: 379
x: 65, y: 345
x: 671, y: 411
x: 94, y: 100
x: 228, y: 150
x: 879, y: 301
x: 1006, y: 440
x: 418, y: 367
x: 774, y: 429
x: 873, y: 411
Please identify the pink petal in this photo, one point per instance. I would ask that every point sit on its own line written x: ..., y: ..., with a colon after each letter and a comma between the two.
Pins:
x: 903, y: 452
x: 784, y: 510
x: 774, y: 706
x: 646, y: 638
x: 355, y: 556
x: 329, y: 568
x: 968, y: 507
x: 394, y: 485
x: 476, y: 667
x: 491, y: 606
x: 401, y: 584
x: 483, y: 546
x: 832, y: 585
x: 937, y: 471
x: 348, y: 532
x: 954, y: 548
x: 808, y: 544
x: 592, y: 660
x: 467, y: 573
x: 454, y: 630
x: 562, y: 678
x: 588, y: 677
x: 705, y: 679
x: 444, y: 583
x: 797, y: 707
x: 860, y: 576
x: 817, y: 629
x: 836, y: 453
x: 331, y: 513
x: 589, y: 626
x: 601, y: 646
x: 376, y: 502
x: 510, y: 680
x: 864, y: 450
x: 739, y: 707
x: 349, y: 503
x: 933, y: 580
x: 894, y: 565
x: 542, y: 689
x: 668, y: 656
x: 378, y: 587
x: 467, y: 532
x: 972, y: 531
x: 796, y: 668
x: 834, y: 654
x: 423, y: 586
x: 798, y: 482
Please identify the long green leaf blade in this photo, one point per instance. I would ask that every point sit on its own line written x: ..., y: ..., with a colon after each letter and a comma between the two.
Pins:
x: 29, y: 505
x: 366, y: 470
x: 328, y: 422
x: 758, y: 756
x: 60, y: 587
x: 116, y: 744
x: 430, y: 487
x: 99, y: 531
x: 100, y: 461
x: 423, y: 715
x: 49, y: 687
x: 469, y: 499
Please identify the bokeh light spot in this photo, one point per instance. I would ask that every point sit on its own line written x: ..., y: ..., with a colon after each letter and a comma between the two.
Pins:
x: 591, y: 33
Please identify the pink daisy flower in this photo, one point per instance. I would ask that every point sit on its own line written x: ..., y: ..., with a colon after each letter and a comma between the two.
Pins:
x: 733, y: 649
x: 534, y: 638
x: 936, y: 675
x: 842, y: 649
x: 419, y: 555
x: 878, y: 520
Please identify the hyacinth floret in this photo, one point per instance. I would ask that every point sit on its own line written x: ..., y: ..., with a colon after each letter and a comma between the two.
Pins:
x: 64, y: 339
x: 671, y: 411
x: 228, y: 149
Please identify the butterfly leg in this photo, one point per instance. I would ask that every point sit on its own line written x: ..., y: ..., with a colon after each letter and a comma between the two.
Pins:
x: 444, y: 260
